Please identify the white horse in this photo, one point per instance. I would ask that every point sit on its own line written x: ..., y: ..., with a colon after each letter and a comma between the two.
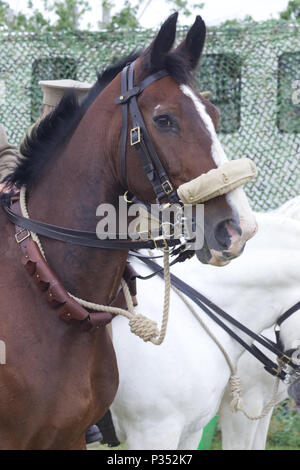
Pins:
x: 238, y: 432
x: 168, y: 394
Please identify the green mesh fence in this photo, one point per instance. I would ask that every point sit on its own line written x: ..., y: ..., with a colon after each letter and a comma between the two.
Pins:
x: 253, y: 73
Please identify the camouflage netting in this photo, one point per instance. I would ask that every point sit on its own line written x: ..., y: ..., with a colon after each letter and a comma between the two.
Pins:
x: 252, y: 72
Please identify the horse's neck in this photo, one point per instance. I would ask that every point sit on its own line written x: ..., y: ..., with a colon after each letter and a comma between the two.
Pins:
x: 68, y: 194
x: 262, y: 283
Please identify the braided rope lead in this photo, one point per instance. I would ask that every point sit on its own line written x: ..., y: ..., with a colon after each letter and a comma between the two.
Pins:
x: 140, y: 325
x: 234, y: 381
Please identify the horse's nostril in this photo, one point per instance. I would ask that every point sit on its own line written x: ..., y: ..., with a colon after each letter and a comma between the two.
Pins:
x: 224, y: 231
x: 222, y: 235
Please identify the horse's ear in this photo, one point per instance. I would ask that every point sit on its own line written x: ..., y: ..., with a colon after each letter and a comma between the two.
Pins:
x: 163, y: 43
x: 192, y: 46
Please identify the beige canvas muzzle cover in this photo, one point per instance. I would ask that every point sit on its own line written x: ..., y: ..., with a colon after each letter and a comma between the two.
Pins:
x: 218, y: 181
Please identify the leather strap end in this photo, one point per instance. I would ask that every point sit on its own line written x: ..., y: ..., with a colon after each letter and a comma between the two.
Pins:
x: 71, y: 311
x: 100, y: 319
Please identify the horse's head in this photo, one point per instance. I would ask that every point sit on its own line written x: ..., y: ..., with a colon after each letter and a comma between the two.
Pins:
x: 182, y: 128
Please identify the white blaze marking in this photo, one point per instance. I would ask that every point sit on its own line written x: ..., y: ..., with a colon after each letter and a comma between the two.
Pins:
x: 158, y: 106
x: 217, y: 150
x: 237, y: 198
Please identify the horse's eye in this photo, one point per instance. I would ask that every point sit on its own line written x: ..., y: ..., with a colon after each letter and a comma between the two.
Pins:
x: 164, y: 121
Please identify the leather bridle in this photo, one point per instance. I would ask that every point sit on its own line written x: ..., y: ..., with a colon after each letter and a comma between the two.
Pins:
x: 139, y: 136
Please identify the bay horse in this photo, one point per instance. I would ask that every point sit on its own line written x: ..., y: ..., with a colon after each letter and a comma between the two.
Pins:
x: 58, y: 380
x: 171, y: 394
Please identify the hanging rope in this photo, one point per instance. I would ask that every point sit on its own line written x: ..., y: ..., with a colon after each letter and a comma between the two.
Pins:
x: 140, y: 325
x: 234, y: 381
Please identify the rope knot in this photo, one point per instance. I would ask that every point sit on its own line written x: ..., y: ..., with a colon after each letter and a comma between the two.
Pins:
x: 143, y: 327
x: 236, y: 390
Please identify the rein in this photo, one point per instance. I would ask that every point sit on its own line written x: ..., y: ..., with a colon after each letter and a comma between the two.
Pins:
x: 215, y: 313
x: 82, y: 237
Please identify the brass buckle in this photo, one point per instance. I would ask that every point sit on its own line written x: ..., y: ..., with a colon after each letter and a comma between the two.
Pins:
x: 165, y: 247
x: 170, y: 187
x: 277, y: 371
x: 286, y: 359
x: 23, y: 238
x: 138, y: 137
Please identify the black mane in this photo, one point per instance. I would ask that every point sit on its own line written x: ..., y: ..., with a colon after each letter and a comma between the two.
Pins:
x: 40, y: 144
